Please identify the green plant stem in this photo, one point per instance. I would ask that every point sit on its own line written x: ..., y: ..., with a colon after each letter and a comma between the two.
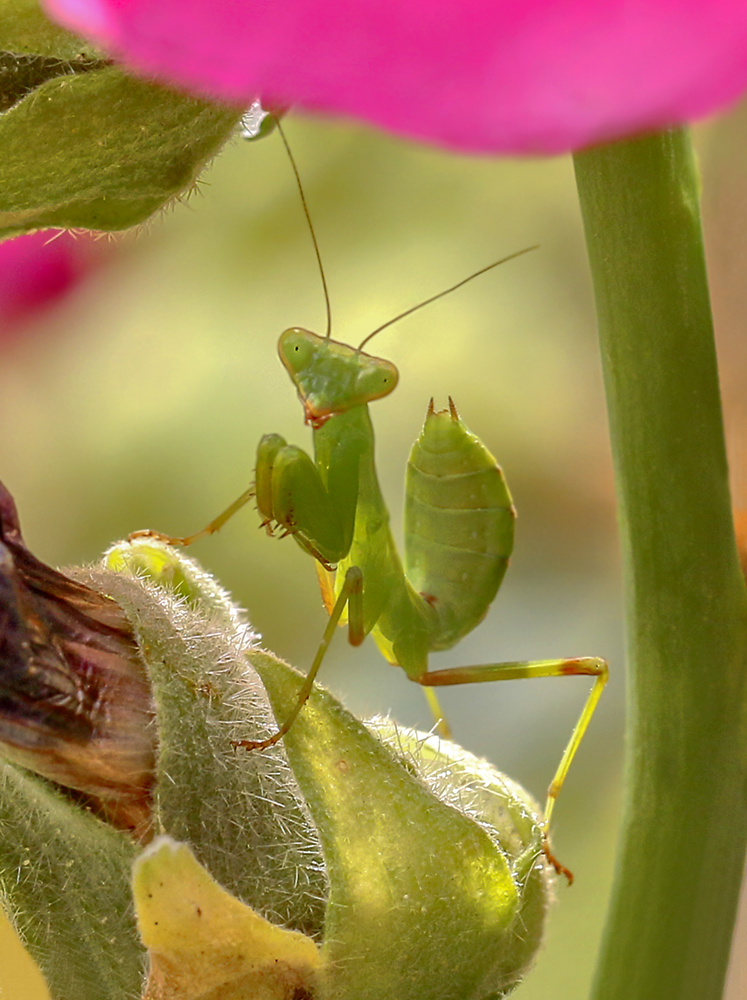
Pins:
x: 685, y: 821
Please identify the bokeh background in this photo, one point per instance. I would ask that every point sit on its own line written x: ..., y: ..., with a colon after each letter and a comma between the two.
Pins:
x: 138, y: 401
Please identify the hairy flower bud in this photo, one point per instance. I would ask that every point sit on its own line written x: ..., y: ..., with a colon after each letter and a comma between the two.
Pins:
x: 344, y: 863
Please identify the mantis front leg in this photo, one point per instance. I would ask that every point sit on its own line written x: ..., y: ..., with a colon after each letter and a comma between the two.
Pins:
x: 315, y: 504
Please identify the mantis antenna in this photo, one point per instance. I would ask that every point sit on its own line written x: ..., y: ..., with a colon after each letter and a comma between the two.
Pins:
x: 407, y: 312
x: 440, y: 295
x: 328, y: 334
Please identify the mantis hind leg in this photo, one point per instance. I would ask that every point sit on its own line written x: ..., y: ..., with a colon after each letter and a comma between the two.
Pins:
x: 351, y: 595
x: 581, y: 666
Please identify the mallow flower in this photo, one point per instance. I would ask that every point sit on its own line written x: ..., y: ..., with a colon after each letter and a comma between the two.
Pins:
x: 485, y: 75
x: 614, y: 81
x: 36, y: 271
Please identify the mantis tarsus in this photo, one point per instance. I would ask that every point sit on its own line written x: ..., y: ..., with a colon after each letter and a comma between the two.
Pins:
x: 459, y: 527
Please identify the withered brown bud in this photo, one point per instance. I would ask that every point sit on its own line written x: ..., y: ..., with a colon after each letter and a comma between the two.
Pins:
x: 75, y: 701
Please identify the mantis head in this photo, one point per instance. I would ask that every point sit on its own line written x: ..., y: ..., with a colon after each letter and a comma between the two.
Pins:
x: 332, y: 377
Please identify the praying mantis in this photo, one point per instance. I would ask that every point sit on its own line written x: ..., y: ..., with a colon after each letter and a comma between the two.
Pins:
x: 459, y: 526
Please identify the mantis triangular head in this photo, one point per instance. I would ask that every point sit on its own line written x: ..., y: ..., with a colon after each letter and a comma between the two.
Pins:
x: 332, y: 377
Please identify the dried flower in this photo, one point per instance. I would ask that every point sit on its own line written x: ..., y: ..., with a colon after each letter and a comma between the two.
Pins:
x: 75, y: 701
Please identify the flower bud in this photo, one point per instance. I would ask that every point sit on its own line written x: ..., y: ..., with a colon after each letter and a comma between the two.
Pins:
x: 417, y: 868
x: 438, y: 884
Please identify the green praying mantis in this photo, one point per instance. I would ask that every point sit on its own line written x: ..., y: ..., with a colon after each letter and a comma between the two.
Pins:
x: 458, y: 527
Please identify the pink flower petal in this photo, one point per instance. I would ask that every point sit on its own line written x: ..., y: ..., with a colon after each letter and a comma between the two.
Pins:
x: 36, y: 271
x: 508, y: 75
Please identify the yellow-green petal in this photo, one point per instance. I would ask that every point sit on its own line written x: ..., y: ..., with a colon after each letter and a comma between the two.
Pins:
x: 205, y: 944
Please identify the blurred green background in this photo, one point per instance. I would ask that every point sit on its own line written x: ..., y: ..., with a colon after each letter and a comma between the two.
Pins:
x: 138, y: 402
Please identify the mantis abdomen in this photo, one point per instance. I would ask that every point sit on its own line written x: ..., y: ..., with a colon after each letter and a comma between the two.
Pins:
x: 459, y: 524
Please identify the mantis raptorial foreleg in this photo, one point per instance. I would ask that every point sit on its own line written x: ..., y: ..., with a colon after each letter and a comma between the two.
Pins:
x: 291, y: 494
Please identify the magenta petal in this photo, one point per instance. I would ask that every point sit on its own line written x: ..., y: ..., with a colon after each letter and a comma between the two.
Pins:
x: 510, y: 75
x: 37, y: 270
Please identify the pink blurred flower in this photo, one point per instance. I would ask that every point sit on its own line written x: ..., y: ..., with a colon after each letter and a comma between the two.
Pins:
x: 521, y: 76
x: 36, y: 271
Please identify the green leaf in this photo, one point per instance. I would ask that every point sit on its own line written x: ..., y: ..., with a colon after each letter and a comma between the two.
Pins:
x: 84, y: 144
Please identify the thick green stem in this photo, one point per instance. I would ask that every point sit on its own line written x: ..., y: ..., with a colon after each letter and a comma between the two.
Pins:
x: 685, y: 823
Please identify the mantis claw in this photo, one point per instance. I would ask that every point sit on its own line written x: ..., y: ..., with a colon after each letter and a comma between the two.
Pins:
x: 257, y: 744
x: 559, y: 868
